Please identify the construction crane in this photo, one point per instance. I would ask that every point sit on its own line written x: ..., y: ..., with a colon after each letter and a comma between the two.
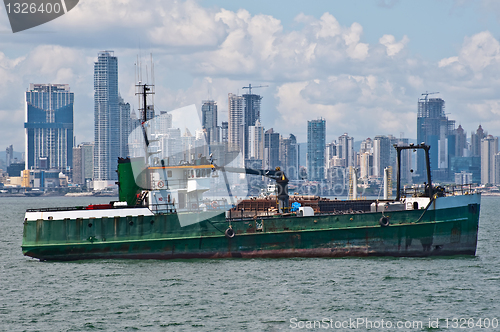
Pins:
x: 426, y: 94
x: 250, y: 87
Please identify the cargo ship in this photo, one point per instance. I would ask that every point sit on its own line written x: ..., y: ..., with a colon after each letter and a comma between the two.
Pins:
x: 162, y: 214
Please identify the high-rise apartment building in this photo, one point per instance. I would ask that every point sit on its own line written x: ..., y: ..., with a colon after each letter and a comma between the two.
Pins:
x: 251, y: 115
x: 346, y: 150
x: 111, y: 118
x: 163, y: 122
x: 224, y: 131
x: 366, y: 146
x: 290, y: 156
x: 235, y: 123
x: 381, y: 155
x: 489, y: 148
x: 49, y: 126
x: 475, y: 141
x: 460, y: 142
x: 365, y: 165
x: 366, y: 158
x: 125, y: 127
x: 330, y: 152
x: 271, y: 149
x: 316, y: 137
x: 9, y: 155
x: 83, y: 163
x: 256, y: 141
x: 209, y: 120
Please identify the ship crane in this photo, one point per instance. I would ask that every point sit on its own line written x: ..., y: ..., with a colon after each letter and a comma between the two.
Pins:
x: 250, y: 87
x: 277, y: 175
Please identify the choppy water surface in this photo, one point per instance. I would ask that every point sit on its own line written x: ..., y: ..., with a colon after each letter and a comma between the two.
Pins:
x: 237, y: 294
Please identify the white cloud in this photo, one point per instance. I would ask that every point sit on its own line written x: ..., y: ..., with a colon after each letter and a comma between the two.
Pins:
x: 393, y: 47
x: 327, y: 26
x: 480, y: 51
x: 348, y: 103
x: 447, y: 61
x: 187, y: 24
x: 355, y: 49
x: 416, y: 82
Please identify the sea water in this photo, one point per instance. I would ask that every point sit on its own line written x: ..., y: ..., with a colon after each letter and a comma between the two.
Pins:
x: 337, y: 294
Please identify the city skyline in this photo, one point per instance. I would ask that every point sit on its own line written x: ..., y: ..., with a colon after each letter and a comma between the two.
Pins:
x: 361, y: 69
x: 453, y: 158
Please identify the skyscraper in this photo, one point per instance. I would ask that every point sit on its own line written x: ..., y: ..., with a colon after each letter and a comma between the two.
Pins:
x: 236, y: 122
x: 475, y: 141
x: 366, y: 146
x: 9, y: 155
x: 251, y: 115
x: 49, y: 126
x: 209, y: 120
x: 125, y: 127
x: 489, y: 148
x: 256, y: 142
x: 316, y: 138
x: 111, y: 118
x: 83, y: 163
x: 460, y: 141
x: 290, y: 157
x: 271, y: 149
x: 433, y: 128
x: 346, y: 150
x: 381, y: 154
x: 224, y: 131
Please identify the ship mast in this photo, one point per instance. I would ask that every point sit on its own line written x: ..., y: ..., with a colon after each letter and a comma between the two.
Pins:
x: 143, y: 90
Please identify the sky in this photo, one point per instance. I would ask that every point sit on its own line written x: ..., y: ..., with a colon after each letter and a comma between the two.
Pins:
x: 362, y: 65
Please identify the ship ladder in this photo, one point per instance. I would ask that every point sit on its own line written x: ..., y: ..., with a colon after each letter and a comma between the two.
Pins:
x: 140, y: 198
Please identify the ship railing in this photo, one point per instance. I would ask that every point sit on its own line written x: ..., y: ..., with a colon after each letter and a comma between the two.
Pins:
x: 460, y: 189
x: 448, y: 190
x: 234, y: 214
x: 212, y: 205
x: 163, y: 208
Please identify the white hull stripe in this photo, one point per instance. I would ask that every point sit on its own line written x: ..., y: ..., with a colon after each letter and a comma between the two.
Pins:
x: 87, y: 214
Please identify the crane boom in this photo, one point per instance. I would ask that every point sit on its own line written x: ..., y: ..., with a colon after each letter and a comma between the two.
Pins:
x: 250, y: 87
x: 426, y: 94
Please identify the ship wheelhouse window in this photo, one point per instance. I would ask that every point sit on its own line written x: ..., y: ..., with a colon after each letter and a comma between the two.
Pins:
x: 169, y: 174
x: 197, y: 173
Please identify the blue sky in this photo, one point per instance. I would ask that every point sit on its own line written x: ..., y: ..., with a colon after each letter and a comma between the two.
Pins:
x: 361, y: 65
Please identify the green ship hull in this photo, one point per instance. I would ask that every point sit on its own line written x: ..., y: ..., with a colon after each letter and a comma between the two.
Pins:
x: 447, y: 226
